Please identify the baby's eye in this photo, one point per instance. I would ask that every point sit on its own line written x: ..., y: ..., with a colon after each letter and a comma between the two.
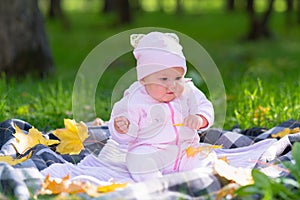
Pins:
x: 163, y: 79
x: 178, y: 78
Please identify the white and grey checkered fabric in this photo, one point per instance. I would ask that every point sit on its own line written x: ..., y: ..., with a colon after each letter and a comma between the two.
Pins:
x: 22, y: 180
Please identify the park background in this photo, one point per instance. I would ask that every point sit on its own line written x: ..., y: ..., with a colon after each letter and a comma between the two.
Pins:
x: 254, y: 43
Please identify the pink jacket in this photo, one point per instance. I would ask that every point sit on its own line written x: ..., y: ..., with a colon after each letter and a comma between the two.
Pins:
x: 151, y: 122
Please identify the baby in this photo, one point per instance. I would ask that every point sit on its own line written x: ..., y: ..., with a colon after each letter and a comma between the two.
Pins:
x: 158, y: 117
x: 154, y: 127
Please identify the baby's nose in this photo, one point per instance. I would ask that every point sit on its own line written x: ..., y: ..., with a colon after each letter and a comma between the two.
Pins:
x: 172, y: 83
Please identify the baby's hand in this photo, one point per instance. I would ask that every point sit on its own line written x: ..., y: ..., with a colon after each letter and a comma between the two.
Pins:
x: 194, y: 122
x: 98, y: 122
x: 121, y: 124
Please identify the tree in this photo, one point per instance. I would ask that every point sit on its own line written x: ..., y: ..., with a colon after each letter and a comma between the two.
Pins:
x: 179, y: 7
x: 289, y: 5
x: 24, y: 47
x: 121, y: 7
x: 109, y: 6
x: 289, y: 11
x: 55, y: 10
x: 259, y: 24
x: 124, y: 11
x: 230, y: 5
x: 298, y: 8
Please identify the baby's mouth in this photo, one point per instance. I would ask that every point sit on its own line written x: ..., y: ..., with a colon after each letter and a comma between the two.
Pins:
x: 170, y: 92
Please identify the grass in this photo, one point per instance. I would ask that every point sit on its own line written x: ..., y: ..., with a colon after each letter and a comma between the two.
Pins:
x: 261, y: 78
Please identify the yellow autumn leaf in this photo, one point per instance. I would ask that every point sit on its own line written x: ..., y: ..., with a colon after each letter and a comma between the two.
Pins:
x: 179, y: 124
x: 260, y: 113
x: 10, y: 160
x: 295, y: 130
x: 25, y: 141
x: 71, y: 137
x: 111, y: 187
x: 224, y: 158
x: 285, y: 131
x: 228, y: 189
x: 192, y: 151
x: 65, y: 185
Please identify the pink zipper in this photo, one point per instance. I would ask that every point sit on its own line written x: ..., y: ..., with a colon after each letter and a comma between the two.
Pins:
x: 177, y: 137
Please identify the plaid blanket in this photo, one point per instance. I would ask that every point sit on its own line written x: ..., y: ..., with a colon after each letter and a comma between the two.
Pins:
x: 23, y: 180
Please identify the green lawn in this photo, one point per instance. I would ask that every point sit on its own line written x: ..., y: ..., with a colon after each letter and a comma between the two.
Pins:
x: 261, y: 79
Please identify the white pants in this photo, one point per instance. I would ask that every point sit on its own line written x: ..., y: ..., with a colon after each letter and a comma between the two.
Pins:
x: 146, y: 162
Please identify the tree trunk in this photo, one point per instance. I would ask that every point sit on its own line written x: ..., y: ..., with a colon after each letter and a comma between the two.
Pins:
x: 119, y: 7
x: 250, y: 6
x: 179, y: 8
x: 24, y: 46
x: 109, y: 6
x: 230, y: 6
x: 160, y: 5
x: 124, y: 11
x: 55, y: 10
x: 289, y: 5
x: 259, y: 24
x: 135, y: 5
x: 298, y: 11
x: 289, y: 12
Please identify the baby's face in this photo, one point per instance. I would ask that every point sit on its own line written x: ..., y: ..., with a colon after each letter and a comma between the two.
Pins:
x: 165, y: 85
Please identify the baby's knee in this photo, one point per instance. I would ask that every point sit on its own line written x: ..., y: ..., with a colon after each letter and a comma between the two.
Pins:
x: 142, y: 168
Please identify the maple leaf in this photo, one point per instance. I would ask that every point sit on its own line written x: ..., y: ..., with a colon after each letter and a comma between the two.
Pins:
x: 10, y: 160
x: 34, y: 137
x: 71, y: 137
x: 65, y: 185
x: 241, y: 176
x: 57, y: 186
x: 192, y: 151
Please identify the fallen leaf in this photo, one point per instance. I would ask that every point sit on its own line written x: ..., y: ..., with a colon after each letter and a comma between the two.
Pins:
x: 10, y: 160
x: 57, y: 186
x: 241, y: 176
x: 224, y: 158
x: 91, y: 190
x: 111, y: 187
x: 260, y: 113
x: 192, y: 151
x: 65, y: 185
x: 179, y: 124
x: 227, y: 192
x: 285, y: 131
x: 34, y: 137
x: 71, y: 137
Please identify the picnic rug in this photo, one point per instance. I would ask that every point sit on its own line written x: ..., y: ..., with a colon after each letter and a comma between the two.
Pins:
x: 21, y: 181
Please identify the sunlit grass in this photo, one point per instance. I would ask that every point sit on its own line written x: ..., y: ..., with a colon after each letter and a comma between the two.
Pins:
x: 264, y: 105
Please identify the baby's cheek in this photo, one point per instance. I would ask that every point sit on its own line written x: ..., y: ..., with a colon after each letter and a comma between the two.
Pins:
x: 160, y: 90
x: 157, y: 92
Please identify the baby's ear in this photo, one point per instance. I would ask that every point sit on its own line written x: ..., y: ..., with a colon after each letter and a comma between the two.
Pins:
x: 173, y: 36
x: 135, y: 38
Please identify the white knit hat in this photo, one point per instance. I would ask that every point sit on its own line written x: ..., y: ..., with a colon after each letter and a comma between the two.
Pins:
x: 156, y: 51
